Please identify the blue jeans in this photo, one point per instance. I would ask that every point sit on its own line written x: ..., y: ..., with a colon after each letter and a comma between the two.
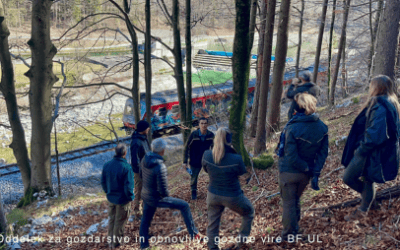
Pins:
x: 167, y: 202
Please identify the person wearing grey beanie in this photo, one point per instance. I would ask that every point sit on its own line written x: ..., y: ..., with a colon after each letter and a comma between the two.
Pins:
x: 155, y: 193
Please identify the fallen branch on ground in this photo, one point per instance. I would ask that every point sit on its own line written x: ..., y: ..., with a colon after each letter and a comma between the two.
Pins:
x: 340, y: 116
x: 381, y: 195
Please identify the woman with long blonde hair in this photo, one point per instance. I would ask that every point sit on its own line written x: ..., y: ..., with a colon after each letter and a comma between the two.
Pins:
x: 302, y: 151
x: 372, y: 147
x: 224, y: 167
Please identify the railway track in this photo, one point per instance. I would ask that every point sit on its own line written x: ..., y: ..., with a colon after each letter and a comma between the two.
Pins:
x: 81, y: 152
x: 69, y: 156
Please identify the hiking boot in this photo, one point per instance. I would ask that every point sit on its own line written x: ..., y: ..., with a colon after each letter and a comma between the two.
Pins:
x: 194, y: 194
x: 375, y: 206
x: 356, y: 215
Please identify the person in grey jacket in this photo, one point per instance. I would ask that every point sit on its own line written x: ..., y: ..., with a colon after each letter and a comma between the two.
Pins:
x: 305, y: 85
x: 302, y: 151
x: 155, y: 192
x: 224, y: 167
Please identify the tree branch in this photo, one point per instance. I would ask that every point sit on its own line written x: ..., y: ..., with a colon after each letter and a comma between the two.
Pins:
x: 89, y: 103
x: 57, y: 106
x: 22, y: 59
x: 165, y: 11
x: 94, y: 85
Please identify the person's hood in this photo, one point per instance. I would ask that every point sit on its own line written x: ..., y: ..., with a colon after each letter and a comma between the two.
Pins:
x: 136, y: 135
x: 392, y: 118
x: 307, y: 84
x: 306, y: 118
x: 152, y: 160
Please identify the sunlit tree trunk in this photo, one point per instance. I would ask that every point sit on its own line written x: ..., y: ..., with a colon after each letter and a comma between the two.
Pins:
x: 331, y: 30
x: 260, y: 146
x: 320, y: 39
x: 42, y: 79
x: 254, y: 110
x: 387, y: 40
x: 340, y: 51
x: 7, y: 88
x: 274, y: 106
x: 300, y: 38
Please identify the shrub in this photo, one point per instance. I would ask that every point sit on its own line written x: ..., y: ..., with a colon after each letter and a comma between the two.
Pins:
x: 355, y: 99
x: 264, y: 161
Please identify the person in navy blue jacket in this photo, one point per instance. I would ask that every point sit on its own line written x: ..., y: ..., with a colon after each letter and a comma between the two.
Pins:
x: 304, y: 86
x: 372, y: 147
x: 302, y: 151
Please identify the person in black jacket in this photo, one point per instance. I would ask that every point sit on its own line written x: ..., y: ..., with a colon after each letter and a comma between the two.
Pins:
x: 198, y: 142
x: 302, y: 151
x: 372, y: 147
x: 305, y: 85
x: 155, y: 192
x: 117, y: 182
x: 139, y: 147
x: 224, y: 167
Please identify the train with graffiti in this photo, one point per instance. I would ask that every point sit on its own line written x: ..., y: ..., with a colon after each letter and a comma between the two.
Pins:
x: 207, y: 101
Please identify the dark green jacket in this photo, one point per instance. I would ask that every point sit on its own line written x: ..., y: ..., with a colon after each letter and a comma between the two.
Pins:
x: 117, y: 181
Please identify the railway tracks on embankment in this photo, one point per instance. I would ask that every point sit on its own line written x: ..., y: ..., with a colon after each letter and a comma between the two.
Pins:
x: 98, y: 148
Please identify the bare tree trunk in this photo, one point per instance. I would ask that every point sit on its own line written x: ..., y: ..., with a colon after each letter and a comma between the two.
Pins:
x: 188, y: 41
x: 300, y: 38
x: 341, y: 47
x: 387, y: 40
x: 240, y: 71
x: 344, y: 82
x: 264, y: 87
x: 254, y: 110
x: 3, y: 220
x: 42, y: 79
x: 135, y: 59
x: 180, y: 85
x: 320, y: 39
x: 253, y: 15
x: 147, y: 65
x: 279, y: 68
x: 373, y: 31
x: 7, y: 88
x: 135, y: 62
x: 330, y: 46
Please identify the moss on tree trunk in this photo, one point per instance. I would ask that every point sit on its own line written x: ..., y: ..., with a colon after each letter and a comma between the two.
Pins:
x: 240, y: 70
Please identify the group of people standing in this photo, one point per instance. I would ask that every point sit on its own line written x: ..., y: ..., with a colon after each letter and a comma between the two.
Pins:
x: 371, y: 152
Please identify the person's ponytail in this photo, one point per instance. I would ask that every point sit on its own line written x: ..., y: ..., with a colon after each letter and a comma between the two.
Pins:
x: 218, y: 150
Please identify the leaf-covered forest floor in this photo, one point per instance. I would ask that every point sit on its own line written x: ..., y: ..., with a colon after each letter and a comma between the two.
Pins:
x: 379, y: 230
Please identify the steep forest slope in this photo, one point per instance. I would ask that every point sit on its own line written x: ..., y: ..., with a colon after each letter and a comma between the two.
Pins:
x: 323, y: 229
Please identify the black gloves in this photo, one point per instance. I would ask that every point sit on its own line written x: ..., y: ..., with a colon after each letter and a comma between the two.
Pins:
x: 314, y: 183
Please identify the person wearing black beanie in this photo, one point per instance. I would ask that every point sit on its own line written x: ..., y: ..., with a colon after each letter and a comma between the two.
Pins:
x: 139, y: 147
